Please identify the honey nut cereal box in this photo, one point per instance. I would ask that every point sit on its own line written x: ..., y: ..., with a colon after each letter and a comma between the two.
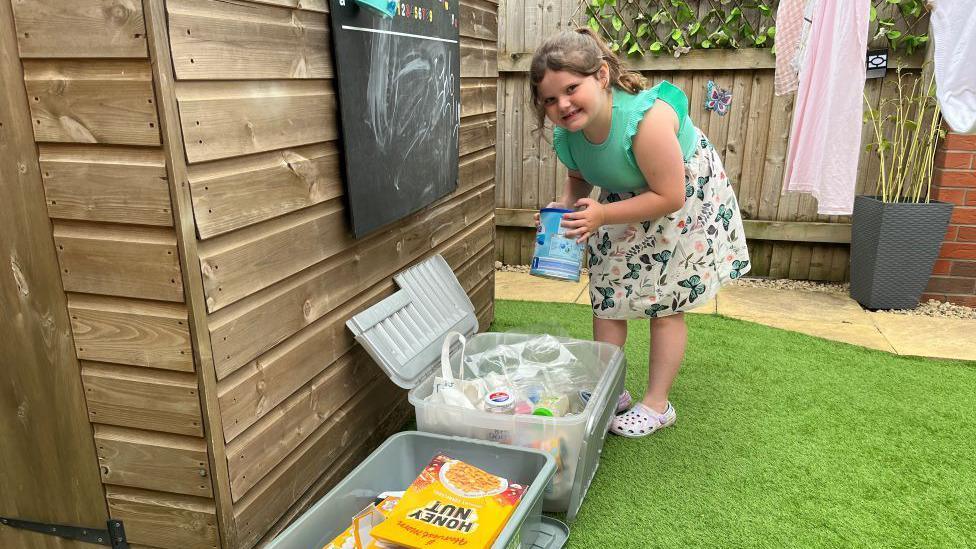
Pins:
x: 451, y: 504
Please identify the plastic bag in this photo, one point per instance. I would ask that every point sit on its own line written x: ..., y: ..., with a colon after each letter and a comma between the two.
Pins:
x: 447, y: 390
x: 536, y: 368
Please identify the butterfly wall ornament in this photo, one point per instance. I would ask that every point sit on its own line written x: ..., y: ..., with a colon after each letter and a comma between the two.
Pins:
x: 717, y: 99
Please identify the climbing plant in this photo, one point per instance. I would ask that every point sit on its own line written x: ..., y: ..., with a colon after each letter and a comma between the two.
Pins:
x: 641, y: 27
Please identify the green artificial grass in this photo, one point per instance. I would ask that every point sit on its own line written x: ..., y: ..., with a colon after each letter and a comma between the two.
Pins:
x: 782, y: 440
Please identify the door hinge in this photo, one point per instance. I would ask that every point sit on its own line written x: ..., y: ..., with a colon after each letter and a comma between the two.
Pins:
x: 113, y: 536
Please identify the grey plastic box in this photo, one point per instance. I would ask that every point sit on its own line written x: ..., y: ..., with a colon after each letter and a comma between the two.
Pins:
x: 404, y: 333
x: 398, y: 461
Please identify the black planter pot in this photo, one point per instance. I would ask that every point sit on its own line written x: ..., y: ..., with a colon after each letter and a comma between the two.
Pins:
x: 893, y: 250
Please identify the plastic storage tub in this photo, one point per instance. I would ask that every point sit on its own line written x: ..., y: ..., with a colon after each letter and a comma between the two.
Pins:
x: 404, y: 334
x: 398, y: 461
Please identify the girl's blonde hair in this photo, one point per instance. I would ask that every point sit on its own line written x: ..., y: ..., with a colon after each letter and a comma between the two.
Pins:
x: 583, y: 52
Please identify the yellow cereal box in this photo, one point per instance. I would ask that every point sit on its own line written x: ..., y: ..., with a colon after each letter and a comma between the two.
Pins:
x: 451, y: 504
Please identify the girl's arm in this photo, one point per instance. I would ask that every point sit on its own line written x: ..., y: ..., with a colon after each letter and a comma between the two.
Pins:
x: 575, y: 188
x: 658, y: 155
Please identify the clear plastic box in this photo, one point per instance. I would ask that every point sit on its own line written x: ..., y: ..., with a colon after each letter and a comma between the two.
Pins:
x: 398, y: 461
x: 404, y: 334
x: 575, y: 442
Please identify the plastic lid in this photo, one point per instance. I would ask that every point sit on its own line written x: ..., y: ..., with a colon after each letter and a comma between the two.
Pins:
x: 501, y: 398
x: 404, y: 332
x: 560, y: 210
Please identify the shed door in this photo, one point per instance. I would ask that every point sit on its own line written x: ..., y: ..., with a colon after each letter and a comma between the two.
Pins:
x: 48, y: 469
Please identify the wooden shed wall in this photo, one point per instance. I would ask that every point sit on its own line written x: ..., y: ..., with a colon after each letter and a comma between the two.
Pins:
x: 89, y: 82
x: 189, y: 153
x: 297, y: 402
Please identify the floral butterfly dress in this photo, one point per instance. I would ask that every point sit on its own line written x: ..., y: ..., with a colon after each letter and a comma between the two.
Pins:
x: 669, y: 265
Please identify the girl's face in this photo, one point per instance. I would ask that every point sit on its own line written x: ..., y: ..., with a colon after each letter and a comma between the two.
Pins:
x: 571, y: 100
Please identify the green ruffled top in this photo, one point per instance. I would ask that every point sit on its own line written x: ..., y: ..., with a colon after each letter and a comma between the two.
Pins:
x: 611, y: 164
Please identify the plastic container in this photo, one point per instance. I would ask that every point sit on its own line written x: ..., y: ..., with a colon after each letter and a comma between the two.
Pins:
x: 404, y: 334
x: 398, y: 461
x: 556, y: 256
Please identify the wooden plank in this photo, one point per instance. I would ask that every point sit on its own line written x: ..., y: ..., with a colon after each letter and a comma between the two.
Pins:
x: 479, y: 19
x: 258, y: 450
x: 510, y: 60
x: 153, y: 461
x: 787, y: 231
x: 104, y: 101
x: 224, y: 119
x: 207, y: 41
x: 696, y: 100
x: 47, y: 443
x: 516, y: 104
x: 400, y: 411
x: 248, y: 393
x: 164, y: 520
x: 173, y: 149
x: 125, y: 261
x: 278, y: 491
x: 479, y: 58
x: 529, y: 182
x: 125, y: 331
x: 820, y: 258
x: 478, y: 96
x: 483, y: 293
x: 140, y: 398
x: 81, y: 28
x: 477, y: 133
x: 773, y: 204
x: 738, y: 124
x: 234, y: 193
x: 310, y: 5
x: 110, y: 184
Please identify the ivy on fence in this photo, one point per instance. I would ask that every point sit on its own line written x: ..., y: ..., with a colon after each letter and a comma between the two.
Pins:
x: 641, y: 27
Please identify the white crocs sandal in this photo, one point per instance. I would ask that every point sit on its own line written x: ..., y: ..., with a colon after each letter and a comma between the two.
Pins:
x: 641, y: 421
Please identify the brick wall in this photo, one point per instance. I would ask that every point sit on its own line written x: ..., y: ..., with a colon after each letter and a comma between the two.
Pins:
x: 954, y: 276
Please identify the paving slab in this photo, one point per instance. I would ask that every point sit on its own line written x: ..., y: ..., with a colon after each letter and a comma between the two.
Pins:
x: 820, y: 314
x: 927, y: 336
x: 525, y: 287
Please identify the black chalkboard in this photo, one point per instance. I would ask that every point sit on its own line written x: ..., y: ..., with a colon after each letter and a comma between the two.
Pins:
x: 400, y: 103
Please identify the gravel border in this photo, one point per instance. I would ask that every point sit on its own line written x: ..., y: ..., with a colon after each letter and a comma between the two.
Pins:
x: 932, y: 308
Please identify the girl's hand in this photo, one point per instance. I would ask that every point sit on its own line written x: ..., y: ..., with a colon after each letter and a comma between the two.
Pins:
x: 586, y: 221
x: 550, y: 205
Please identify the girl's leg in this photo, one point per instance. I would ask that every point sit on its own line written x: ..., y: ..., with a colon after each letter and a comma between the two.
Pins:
x: 610, y: 330
x: 669, y: 335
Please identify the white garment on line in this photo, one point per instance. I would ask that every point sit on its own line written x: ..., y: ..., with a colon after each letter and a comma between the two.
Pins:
x: 953, y: 25
x: 825, y: 138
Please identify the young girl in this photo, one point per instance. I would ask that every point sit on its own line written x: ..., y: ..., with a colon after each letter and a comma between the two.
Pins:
x: 666, y: 231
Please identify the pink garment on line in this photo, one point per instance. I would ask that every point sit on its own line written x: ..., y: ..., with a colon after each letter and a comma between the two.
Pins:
x: 789, y: 25
x: 825, y: 139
